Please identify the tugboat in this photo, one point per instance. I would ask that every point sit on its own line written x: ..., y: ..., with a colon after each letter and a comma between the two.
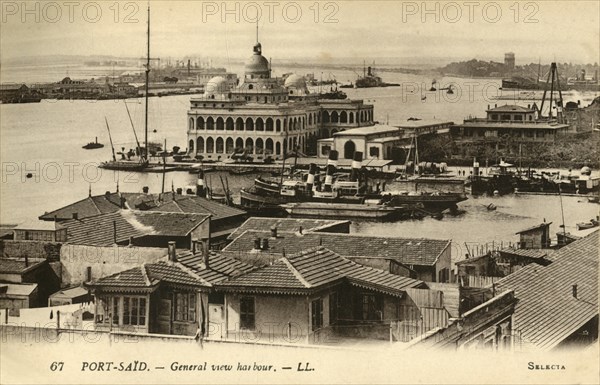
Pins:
x: 93, y: 145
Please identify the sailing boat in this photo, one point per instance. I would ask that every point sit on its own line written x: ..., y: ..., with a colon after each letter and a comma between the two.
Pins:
x: 142, y: 152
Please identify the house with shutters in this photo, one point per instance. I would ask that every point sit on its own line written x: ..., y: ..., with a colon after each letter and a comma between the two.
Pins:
x: 175, y: 295
x: 315, y: 296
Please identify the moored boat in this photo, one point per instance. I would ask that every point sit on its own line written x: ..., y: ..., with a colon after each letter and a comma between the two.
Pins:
x: 344, y: 210
x: 93, y: 145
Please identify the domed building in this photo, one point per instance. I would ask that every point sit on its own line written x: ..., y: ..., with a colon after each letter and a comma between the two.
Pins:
x: 265, y: 116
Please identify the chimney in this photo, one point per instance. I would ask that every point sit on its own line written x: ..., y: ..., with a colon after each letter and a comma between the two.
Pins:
x: 206, y: 251
x: 274, y: 232
x: 194, y: 246
x: 130, y: 240
x: 75, y: 216
x: 26, y: 261
x: 172, y: 251
x: 122, y: 200
x: 575, y: 291
x: 257, y: 244
x: 88, y: 275
x: 265, y: 244
x: 331, y: 168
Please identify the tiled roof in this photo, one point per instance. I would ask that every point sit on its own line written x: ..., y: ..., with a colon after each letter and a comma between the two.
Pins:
x: 411, y: 251
x: 88, y: 207
x: 197, y: 205
x: 167, y: 224
x: 314, y: 268
x: 547, y: 312
x: 168, y: 202
x: 99, y: 230
x: 544, y: 224
x: 285, y: 225
x: 148, y: 276
x: 220, y: 267
x: 18, y: 266
x: 529, y: 253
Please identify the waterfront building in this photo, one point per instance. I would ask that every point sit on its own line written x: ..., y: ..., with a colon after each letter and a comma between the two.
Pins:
x: 265, y: 116
x: 507, y: 125
x: 381, y: 141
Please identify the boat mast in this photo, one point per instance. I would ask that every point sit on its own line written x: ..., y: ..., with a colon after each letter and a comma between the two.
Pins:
x: 133, y: 128
x: 110, y: 138
x: 145, y: 157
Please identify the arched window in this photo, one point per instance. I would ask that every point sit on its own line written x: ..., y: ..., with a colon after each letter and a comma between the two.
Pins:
x: 200, y: 145
x: 319, y: 117
x: 285, y: 124
x: 200, y: 123
x: 269, y: 124
x: 210, y: 145
x: 325, y: 117
x: 278, y: 125
x: 349, y: 149
x: 259, y: 145
x: 249, y: 146
x: 351, y: 120
x: 191, y: 124
x: 334, y: 117
x: 191, y: 147
x: 343, y: 117
x: 239, y: 144
x: 260, y: 125
x: 229, y: 146
x: 249, y: 124
x: 229, y: 124
x: 269, y: 145
x: 220, y: 145
x: 210, y: 123
x: 277, y: 148
x: 239, y: 124
x: 220, y: 123
x: 310, y: 119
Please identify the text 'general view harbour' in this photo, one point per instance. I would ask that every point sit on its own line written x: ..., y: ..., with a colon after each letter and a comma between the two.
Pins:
x: 260, y: 196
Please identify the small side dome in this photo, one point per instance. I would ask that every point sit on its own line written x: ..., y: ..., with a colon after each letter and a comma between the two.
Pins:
x: 216, y: 86
x: 295, y: 81
x: 585, y: 170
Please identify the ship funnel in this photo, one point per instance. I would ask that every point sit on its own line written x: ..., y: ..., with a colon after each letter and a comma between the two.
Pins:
x: 200, y: 190
x: 331, y: 167
x: 356, y: 164
x: 310, y: 179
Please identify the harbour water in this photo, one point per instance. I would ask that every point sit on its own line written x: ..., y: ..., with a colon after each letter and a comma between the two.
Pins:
x: 45, y: 139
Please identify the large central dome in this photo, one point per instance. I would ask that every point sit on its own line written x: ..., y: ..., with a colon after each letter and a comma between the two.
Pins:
x: 257, y: 66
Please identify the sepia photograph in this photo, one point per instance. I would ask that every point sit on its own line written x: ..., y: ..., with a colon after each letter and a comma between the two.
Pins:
x: 299, y: 192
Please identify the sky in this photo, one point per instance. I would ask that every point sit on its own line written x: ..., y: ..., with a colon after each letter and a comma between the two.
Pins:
x: 322, y: 31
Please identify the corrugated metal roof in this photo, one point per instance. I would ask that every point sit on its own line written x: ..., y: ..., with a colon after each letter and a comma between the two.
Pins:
x: 285, y: 225
x: 547, y: 312
x: 411, y: 251
x: 315, y: 268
